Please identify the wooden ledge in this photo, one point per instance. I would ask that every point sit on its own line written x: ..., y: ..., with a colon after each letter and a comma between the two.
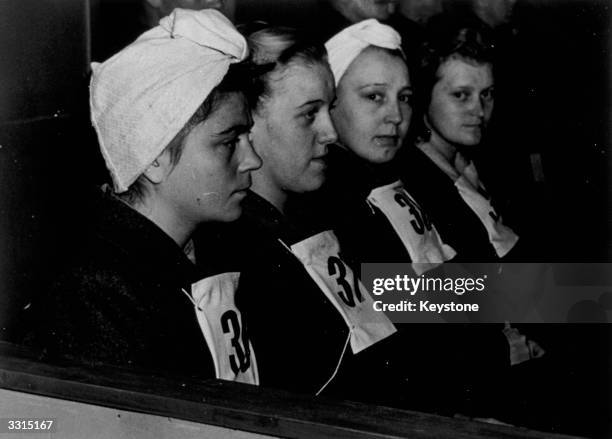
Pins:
x: 234, y: 405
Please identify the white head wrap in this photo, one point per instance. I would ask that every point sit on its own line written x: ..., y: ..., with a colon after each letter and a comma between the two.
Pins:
x: 144, y: 95
x: 347, y: 44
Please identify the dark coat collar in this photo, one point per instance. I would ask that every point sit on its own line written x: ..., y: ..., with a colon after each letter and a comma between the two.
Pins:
x: 131, y: 233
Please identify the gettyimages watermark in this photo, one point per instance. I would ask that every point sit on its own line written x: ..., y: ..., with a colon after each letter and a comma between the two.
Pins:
x: 420, y: 285
x: 492, y: 293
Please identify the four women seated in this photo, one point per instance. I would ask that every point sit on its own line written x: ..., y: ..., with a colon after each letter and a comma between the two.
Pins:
x: 336, y: 182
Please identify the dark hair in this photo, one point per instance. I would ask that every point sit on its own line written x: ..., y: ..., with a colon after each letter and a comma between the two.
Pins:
x: 473, y: 44
x: 278, y: 47
x: 236, y: 80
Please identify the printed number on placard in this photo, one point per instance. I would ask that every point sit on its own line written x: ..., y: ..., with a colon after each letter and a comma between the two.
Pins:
x: 421, y: 220
x: 335, y: 266
x: 230, y: 324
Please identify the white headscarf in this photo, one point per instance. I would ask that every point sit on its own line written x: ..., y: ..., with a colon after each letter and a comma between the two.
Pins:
x: 144, y: 95
x: 347, y: 44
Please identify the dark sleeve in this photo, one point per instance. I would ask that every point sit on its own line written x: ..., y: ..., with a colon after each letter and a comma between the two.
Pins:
x: 88, y: 316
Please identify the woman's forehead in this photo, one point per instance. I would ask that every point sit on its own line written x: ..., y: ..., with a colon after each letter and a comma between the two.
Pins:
x: 376, y: 65
x: 458, y: 70
x: 301, y: 77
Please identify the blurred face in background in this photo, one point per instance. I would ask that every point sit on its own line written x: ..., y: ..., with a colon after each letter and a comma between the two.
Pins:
x: 494, y: 12
x: 292, y: 127
x: 358, y: 10
x: 420, y: 10
x: 461, y: 103
x: 373, y: 111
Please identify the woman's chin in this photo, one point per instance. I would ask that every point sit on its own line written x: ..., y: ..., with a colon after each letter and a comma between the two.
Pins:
x: 471, y: 139
x: 313, y: 183
x: 380, y: 155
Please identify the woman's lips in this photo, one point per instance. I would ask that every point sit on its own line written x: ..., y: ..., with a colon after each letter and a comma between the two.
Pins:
x: 473, y: 127
x: 243, y: 189
x: 319, y: 161
x: 387, y: 141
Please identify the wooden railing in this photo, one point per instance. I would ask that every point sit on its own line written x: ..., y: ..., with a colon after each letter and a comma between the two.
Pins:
x: 233, y: 405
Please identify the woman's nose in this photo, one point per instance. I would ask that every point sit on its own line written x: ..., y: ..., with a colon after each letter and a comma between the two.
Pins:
x: 477, y: 107
x: 249, y: 160
x: 327, y: 132
x: 394, y: 113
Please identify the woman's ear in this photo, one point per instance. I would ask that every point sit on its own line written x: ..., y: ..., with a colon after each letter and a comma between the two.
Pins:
x: 161, y: 167
x: 425, y: 130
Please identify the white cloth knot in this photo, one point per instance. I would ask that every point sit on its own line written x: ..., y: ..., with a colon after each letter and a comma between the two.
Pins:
x: 208, y: 30
x: 144, y: 95
x: 347, y: 44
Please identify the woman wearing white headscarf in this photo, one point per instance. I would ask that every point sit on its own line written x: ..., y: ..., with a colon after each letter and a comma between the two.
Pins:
x: 372, y: 116
x: 172, y: 123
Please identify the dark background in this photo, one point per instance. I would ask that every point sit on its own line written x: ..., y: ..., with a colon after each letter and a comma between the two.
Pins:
x: 49, y: 160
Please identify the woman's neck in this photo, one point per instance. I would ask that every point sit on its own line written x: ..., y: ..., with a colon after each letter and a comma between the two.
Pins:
x: 448, y: 151
x: 266, y: 188
x: 444, y: 155
x: 166, y: 219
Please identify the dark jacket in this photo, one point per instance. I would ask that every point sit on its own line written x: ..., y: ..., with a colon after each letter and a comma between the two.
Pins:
x: 296, y: 332
x: 416, y: 360
x: 298, y: 335
x: 364, y: 232
x: 456, y: 222
x: 118, y: 300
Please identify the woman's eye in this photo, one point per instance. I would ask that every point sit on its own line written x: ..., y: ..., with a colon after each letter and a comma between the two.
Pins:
x: 374, y: 97
x: 311, y: 115
x: 460, y: 95
x: 232, y: 143
x: 406, y: 99
x: 488, y: 94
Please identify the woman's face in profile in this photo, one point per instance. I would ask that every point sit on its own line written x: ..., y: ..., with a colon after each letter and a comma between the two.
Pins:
x: 373, y: 111
x: 292, y: 127
x: 213, y: 173
x: 461, y: 102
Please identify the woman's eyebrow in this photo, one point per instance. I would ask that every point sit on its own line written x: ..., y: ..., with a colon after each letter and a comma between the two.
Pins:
x: 372, y: 84
x: 461, y: 87
x: 235, y: 129
x: 312, y: 102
